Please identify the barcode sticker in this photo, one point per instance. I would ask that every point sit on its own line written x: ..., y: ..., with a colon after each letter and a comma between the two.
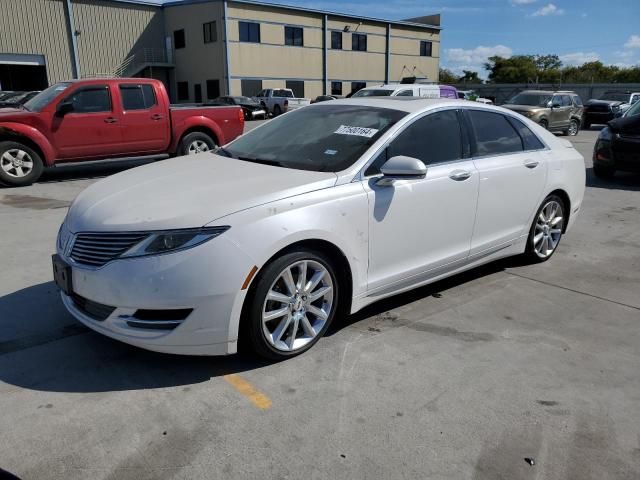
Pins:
x: 357, y: 131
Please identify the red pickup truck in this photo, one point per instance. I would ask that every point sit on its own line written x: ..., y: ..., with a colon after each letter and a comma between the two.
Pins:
x: 106, y: 118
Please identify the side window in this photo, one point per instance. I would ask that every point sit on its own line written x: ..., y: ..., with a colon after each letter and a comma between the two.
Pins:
x: 137, y: 97
x: 556, y: 100
x: 249, y: 32
x: 577, y: 101
x: 92, y: 100
x: 405, y: 93
x: 530, y: 141
x: 494, y: 134
x: 566, y: 100
x: 336, y: 40
x: 434, y: 138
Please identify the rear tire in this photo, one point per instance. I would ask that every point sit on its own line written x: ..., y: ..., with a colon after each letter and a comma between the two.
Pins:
x: 20, y: 165
x: 544, y: 124
x: 303, y: 319
x: 277, y: 111
x: 196, y: 142
x: 604, y: 172
x: 546, y: 230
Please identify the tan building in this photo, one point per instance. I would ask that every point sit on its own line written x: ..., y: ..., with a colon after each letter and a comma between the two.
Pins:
x: 205, y: 48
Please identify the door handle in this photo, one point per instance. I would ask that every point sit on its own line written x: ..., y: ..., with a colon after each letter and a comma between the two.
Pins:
x: 459, y: 175
x: 531, y: 163
x: 110, y: 120
x: 156, y: 116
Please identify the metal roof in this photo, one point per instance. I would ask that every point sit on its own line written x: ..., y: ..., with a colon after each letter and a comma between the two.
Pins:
x: 177, y: 3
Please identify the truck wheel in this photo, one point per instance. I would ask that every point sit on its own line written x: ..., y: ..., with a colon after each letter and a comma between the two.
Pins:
x: 277, y: 110
x: 19, y: 165
x: 196, y: 142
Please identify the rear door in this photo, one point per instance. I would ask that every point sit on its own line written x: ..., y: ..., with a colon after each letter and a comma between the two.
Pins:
x: 145, y: 122
x: 93, y: 128
x: 560, y: 115
x: 513, y: 172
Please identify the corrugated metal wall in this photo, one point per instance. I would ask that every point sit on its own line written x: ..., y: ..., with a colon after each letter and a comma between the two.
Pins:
x: 109, y: 32
x: 37, y: 27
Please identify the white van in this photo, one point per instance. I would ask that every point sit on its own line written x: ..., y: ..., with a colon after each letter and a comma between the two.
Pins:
x: 408, y: 90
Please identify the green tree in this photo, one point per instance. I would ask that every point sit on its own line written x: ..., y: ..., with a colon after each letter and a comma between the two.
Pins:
x: 447, y: 76
x: 470, y: 77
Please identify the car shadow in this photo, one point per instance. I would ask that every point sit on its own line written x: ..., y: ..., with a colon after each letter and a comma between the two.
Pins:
x: 620, y: 181
x: 87, y: 171
x: 43, y: 348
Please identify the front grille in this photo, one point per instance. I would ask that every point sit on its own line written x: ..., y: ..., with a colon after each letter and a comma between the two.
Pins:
x: 598, y: 108
x: 96, y: 249
x: 94, y: 310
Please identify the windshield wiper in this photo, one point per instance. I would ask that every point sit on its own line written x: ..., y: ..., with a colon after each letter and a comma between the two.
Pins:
x: 263, y: 161
x: 223, y: 151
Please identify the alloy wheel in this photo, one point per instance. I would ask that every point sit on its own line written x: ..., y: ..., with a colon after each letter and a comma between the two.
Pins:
x: 197, y: 146
x: 573, y: 128
x: 548, y: 229
x: 297, y: 305
x: 16, y: 163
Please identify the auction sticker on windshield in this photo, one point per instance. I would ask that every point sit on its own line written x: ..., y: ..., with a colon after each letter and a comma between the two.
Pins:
x: 358, y: 131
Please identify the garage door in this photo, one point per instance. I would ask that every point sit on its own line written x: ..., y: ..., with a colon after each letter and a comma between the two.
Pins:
x: 22, y: 72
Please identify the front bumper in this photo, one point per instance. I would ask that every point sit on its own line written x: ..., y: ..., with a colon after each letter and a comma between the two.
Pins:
x: 597, y: 117
x: 207, y: 279
x: 258, y: 113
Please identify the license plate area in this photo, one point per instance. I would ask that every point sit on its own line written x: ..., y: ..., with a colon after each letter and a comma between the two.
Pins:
x: 62, y: 275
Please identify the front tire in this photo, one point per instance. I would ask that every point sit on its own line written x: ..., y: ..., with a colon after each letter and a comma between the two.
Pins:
x: 604, y: 172
x: 546, y: 230
x: 544, y: 124
x: 196, y: 142
x: 20, y: 165
x: 292, y: 303
x: 574, y: 128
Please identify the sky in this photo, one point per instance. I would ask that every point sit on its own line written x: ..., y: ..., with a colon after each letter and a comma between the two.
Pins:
x: 577, y: 30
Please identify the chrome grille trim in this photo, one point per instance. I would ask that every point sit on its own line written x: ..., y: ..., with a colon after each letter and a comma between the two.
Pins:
x: 97, y: 249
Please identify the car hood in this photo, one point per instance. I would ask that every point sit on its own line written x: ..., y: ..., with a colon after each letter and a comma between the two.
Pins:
x: 8, y: 114
x: 522, y: 108
x: 602, y: 102
x: 628, y: 125
x: 186, y: 192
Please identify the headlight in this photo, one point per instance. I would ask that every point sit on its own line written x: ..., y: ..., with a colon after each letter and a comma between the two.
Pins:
x: 173, y: 240
x: 605, y: 134
x: 615, y: 108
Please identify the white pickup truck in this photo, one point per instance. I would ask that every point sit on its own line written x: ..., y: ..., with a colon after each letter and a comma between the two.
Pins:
x: 278, y: 100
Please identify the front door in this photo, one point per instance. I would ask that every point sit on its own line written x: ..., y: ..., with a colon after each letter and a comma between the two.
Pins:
x: 145, y: 122
x: 560, y: 115
x: 92, y: 129
x: 420, y: 228
x: 512, y: 167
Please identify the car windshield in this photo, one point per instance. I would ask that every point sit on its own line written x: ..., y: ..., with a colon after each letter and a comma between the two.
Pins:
x: 530, y: 99
x: 373, y: 93
x: 615, y: 97
x: 634, y: 110
x: 43, y: 99
x: 244, y: 100
x: 322, y: 138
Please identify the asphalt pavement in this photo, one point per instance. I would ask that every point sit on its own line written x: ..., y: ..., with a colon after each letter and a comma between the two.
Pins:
x: 505, y: 372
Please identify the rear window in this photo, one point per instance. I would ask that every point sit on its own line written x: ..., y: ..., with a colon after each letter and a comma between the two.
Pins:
x: 283, y: 93
x: 530, y: 99
x: 494, y: 134
x: 137, y: 97
x: 373, y: 93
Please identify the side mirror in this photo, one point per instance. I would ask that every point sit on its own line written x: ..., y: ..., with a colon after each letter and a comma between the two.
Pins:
x: 401, y: 167
x: 553, y: 104
x: 64, y: 108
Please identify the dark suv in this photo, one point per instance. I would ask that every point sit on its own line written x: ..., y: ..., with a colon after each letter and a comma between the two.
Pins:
x: 553, y: 110
x: 609, y: 106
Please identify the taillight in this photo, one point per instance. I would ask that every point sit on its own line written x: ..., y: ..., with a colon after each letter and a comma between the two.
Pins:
x: 286, y: 103
x: 241, y: 115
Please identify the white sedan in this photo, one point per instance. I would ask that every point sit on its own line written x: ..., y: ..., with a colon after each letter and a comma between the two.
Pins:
x: 309, y: 217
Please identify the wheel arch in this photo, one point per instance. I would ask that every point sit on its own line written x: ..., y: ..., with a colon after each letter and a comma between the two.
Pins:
x: 29, y: 137
x: 567, y: 204
x: 340, y: 263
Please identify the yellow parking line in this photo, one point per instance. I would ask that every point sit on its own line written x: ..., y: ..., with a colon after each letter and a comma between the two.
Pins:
x: 256, y: 397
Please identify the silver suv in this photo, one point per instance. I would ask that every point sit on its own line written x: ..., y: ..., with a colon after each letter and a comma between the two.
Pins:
x: 558, y: 111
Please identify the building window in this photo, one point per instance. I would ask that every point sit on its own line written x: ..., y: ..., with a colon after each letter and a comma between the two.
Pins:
x: 359, y: 42
x: 197, y: 93
x: 178, y: 39
x: 297, y: 86
x: 355, y: 86
x: 209, y: 31
x: 250, y: 88
x: 336, y: 88
x: 425, y: 49
x: 183, y: 91
x: 293, y: 36
x: 336, y: 40
x: 213, y: 89
x: 249, y: 32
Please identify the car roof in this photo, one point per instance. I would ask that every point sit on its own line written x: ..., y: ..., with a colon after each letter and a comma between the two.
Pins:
x: 549, y: 92
x: 412, y: 104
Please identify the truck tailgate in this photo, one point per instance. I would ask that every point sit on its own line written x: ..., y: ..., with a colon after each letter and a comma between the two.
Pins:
x: 228, y: 119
